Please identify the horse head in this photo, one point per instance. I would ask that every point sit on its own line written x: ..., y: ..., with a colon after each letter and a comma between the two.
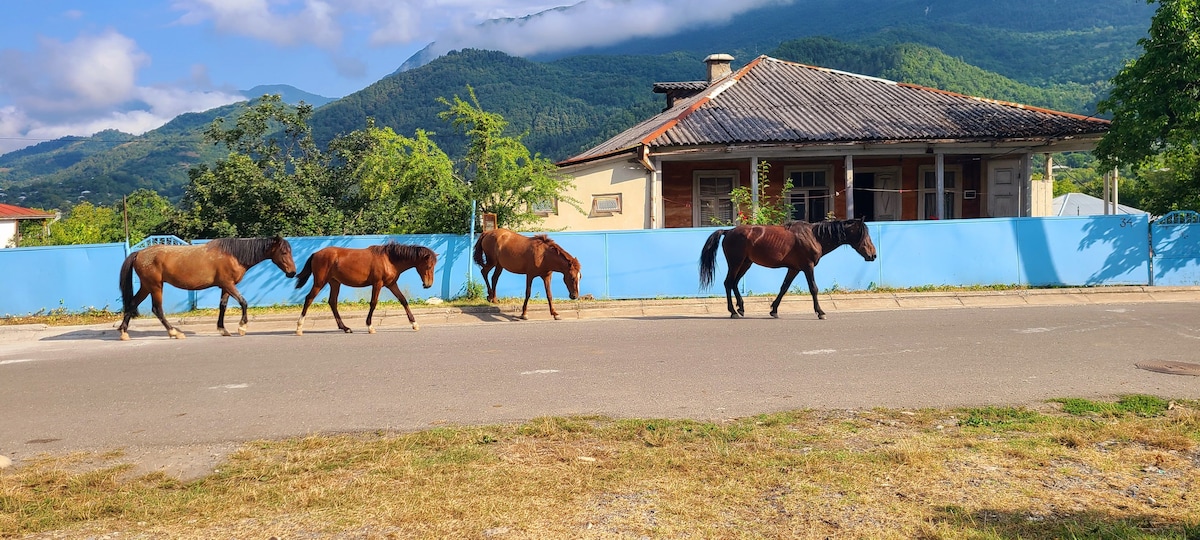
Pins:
x: 281, y: 254
x: 425, y: 266
x: 864, y: 246
x: 572, y: 277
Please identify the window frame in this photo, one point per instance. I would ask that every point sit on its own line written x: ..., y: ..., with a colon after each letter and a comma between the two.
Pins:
x: 828, y: 188
x: 718, y: 174
x: 956, y: 192
x: 596, y: 198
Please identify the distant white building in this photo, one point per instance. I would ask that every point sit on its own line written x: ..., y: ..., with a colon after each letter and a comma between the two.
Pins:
x: 1082, y: 204
x: 10, y: 215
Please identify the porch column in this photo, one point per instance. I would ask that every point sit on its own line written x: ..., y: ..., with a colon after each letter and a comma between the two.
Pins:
x: 940, y: 175
x: 754, y: 186
x: 659, y: 218
x: 1115, y: 182
x: 849, y: 186
x: 1026, y: 178
x: 1105, y: 195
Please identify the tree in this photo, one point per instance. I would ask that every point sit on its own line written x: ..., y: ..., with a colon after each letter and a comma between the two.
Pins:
x: 502, y: 175
x: 85, y: 223
x: 771, y: 209
x: 1155, y: 103
x: 273, y: 181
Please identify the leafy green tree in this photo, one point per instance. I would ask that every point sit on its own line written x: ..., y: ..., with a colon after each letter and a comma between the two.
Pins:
x: 147, y: 212
x: 501, y: 174
x: 273, y: 181
x: 1155, y: 103
x: 85, y: 223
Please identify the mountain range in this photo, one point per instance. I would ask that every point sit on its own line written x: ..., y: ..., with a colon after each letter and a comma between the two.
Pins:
x: 1050, y: 53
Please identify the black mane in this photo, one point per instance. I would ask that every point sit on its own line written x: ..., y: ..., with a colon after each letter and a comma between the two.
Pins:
x: 405, y: 251
x: 247, y: 251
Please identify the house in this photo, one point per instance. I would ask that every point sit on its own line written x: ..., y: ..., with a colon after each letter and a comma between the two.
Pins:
x: 852, y: 146
x: 1082, y: 204
x: 10, y: 215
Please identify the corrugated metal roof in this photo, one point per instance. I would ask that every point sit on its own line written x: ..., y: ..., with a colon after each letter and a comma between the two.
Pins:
x: 8, y: 211
x: 775, y: 101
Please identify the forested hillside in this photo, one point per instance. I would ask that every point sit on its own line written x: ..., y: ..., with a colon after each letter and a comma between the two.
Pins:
x: 1058, y: 54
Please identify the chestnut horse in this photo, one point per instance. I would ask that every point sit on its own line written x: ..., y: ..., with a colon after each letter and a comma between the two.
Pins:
x: 219, y: 263
x: 373, y: 266
x: 797, y: 245
x: 538, y: 256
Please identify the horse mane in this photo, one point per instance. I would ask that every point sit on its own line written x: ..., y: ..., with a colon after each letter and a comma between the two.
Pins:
x: 397, y: 250
x: 828, y: 233
x: 553, y: 246
x: 247, y: 251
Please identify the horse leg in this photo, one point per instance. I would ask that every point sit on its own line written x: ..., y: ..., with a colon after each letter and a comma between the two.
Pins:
x: 317, y: 285
x: 495, y: 280
x: 812, y: 289
x: 245, y: 305
x: 549, y: 299
x: 787, y: 283
x: 490, y: 285
x: 371, y: 311
x: 334, y: 288
x: 732, y: 277
x: 141, y: 295
x: 528, y: 291
x: 221, y: 314
x: 156, y: 302
x: 404, y: 302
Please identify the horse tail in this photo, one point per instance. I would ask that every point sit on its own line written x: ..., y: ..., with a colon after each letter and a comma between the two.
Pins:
x: 708, y: 258
x: 479, y: 259
x: 302, y: 277
x: 127, y: 306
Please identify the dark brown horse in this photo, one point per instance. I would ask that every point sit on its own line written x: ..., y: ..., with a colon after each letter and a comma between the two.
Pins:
x: 374, y: 266
x: 538, y: 256
x: 797, y: 245
x: 219, y: 263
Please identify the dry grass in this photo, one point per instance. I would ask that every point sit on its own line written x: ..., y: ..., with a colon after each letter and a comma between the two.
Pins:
x: 979, y: 473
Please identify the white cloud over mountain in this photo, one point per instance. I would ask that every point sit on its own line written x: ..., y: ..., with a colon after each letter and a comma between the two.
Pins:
x: 53, y: 87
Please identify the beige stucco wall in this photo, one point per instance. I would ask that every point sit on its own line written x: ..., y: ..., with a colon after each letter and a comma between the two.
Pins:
x: 615, y: 176
x: 8, y: 230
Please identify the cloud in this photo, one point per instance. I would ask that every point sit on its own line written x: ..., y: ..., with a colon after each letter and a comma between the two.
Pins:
x: 293, y: 23
x: 594, y: 23
x: 87, y: 85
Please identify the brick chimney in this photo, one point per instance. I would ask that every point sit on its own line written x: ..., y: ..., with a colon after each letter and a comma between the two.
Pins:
x: 718, y: 66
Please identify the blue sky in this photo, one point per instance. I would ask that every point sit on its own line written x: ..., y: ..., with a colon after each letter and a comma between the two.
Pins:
x: 75, y: 67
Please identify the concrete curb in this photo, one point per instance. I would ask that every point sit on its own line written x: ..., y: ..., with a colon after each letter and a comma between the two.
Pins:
x: 394, y: 316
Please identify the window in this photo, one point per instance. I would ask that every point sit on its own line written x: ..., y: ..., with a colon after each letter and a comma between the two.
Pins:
x: 606, y: 204
x: 545, y: 207
x: 810, y: 197
x: 712, y: 204
x: 952, y: 200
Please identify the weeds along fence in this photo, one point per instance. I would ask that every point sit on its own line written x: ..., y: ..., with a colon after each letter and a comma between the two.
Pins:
x: 1037, y: 252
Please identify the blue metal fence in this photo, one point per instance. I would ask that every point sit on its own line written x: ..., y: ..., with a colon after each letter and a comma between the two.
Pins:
x: 1066, y: 251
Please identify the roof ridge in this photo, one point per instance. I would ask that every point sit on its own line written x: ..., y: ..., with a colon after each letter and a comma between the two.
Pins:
x: 706, y: 95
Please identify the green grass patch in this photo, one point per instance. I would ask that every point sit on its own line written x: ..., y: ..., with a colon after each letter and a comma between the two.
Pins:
x: 1139, y: 405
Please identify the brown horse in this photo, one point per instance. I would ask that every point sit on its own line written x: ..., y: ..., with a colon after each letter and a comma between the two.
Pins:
x: 538, y: 256
x: 797, y: 245
x: 374, y: 266
x: 219, y: 263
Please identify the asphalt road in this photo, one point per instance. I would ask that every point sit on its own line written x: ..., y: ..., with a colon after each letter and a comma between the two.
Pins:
x: 86, y: 390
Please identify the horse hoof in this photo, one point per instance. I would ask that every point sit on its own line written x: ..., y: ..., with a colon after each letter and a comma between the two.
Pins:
x: 821, y: 316
x: 774, y: 315
x: 225, y: 332
x: 370, y: 329
x: 734, y: 316
x: 416, y: 326
x: 241, y: 330
x: 557, y: 318
x: 124, y: 336
x: 299, y: 332
x: 178, y: 334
